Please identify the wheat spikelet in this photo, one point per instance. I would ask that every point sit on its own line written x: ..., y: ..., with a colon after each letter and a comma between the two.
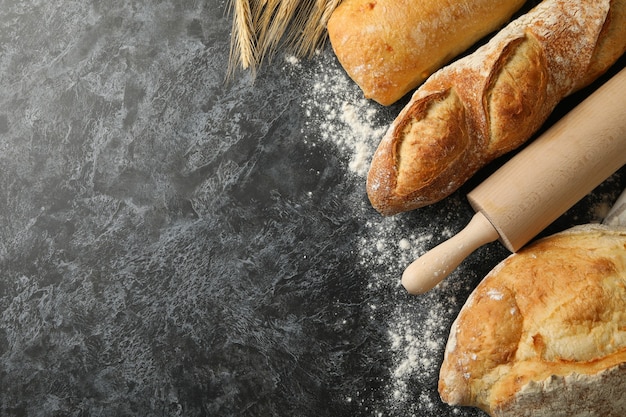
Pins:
x: 278, y: 25
x: 261, y: 26
x: 313, y: 26
x: 242, y: 43
x: 310, y: 25
x: 257, y: 10
x: 264, y: 14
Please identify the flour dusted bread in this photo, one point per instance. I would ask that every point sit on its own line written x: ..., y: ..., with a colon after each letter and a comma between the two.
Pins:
x: 544, y: 334
x: 493, y: 100
x: 389, y: 47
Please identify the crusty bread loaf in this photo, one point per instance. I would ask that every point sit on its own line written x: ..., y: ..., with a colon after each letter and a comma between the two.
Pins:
x: 493, y: 100
x: 388, y: 48
x: 544, y: 334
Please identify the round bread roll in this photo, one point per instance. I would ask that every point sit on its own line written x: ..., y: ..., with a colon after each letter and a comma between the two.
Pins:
x: 544, y: 334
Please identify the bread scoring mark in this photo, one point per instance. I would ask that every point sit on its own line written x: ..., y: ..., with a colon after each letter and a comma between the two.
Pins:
x: 555, y: 42
x: 517, y: 100
x: 433, y: 137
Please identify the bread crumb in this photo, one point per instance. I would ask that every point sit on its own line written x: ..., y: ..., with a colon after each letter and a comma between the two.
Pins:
x: 404, y: 244
x: 292, y: 59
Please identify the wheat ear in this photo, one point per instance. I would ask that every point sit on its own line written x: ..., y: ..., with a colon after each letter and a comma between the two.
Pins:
x: 242, y: 41
x: 277, y: 26
x: 260, y: 27
x: 312, y: 27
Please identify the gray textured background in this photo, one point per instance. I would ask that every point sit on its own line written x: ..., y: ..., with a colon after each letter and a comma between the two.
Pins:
x: 171, y: 244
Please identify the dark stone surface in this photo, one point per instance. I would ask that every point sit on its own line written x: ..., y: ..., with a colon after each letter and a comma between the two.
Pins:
x: 174, y: 244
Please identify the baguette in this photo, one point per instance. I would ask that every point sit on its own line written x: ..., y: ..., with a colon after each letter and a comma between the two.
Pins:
x: 544, y: 334
x: 493, y: 100
x: 390, y: 47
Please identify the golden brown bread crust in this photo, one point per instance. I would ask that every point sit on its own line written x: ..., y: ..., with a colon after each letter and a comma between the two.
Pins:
x: 390, y: 47
x: 492, y: 101
x: 554, y: 314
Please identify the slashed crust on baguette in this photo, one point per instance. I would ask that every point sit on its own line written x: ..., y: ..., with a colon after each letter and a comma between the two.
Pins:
x: 448, y: 148
x: 516, y: 100
x: 492, y: 101
x: 553, y: 315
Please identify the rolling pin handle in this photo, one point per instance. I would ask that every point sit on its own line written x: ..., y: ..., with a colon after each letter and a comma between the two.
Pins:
x: 435, y: 265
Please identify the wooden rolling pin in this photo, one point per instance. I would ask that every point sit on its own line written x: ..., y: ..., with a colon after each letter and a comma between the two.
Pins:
x: 537, y: 185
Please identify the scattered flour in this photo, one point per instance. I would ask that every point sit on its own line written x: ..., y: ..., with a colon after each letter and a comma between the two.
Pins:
x: 495, y: 294
x: 417, y: 342
x: 337, y: 113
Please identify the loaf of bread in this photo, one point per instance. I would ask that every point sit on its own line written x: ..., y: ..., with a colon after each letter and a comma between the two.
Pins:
x: 388, y: 48
x: 493, y: 100
x: 544, y: 334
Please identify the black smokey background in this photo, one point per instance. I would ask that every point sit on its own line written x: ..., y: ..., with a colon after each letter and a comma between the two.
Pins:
x: 174, y: 244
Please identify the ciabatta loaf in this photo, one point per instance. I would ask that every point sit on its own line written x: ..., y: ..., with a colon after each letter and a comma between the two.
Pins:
x: 544, y: 334
x: 493, y: 100
x: 389, y: 47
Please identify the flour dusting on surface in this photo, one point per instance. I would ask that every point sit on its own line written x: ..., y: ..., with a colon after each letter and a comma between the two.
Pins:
x: 338, y: 114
